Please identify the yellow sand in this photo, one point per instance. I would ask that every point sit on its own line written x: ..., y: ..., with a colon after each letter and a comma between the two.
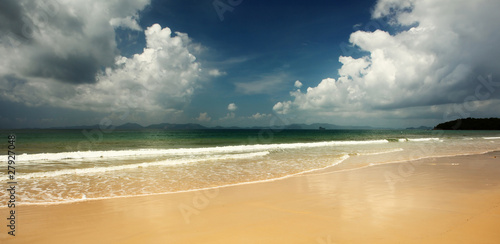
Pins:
x: 443, y: 200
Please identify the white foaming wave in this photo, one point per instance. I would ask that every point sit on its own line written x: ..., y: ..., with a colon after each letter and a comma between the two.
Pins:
x: 491, y: 138
x: 95, y: 170
x: 64, y: 201
x: 183, y: 151
x: 418, y: 139
x: 383, y: 152
x: 424, y: 139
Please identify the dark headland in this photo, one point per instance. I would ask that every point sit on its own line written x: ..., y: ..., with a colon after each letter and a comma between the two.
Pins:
x: 470, y: 124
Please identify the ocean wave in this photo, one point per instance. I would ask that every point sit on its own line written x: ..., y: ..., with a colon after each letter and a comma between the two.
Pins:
x: 56, y: 199
x: 491, y: 138
x: 94, y: 170
x: 423, y: 139
x: 183, y: 151
x: 412, y: 139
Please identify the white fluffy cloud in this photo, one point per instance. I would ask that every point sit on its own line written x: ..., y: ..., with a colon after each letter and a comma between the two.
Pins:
x: 232, y: 107
x: 442, y: 48
x: 282, y: 107
x: 71, y: 60
x: 163, y: 77
x: 297, y: 84
x: 259, y: 116
x: 204, y: 117
x: 231, y: 115
x: 216, y: 73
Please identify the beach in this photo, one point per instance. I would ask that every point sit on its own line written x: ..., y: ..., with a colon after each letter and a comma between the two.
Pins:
x: 231, y: 121
x: 268, y: 122
x: 432, y: 200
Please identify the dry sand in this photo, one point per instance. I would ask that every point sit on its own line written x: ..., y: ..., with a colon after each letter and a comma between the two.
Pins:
x: 443, y: 200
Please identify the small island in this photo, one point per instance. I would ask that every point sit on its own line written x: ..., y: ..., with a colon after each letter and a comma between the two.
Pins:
x: 470, y: 124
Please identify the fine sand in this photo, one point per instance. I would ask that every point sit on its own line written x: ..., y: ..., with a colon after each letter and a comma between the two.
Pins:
x: 441, y: 200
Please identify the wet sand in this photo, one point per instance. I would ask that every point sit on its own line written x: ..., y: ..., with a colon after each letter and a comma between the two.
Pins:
x: 442, y: 200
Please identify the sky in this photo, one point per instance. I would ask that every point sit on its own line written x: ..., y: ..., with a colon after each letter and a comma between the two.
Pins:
x: 385, y: 63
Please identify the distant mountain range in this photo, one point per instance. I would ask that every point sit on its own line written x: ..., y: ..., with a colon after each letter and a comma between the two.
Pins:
x: 460, y: 124
x: 191, y: 126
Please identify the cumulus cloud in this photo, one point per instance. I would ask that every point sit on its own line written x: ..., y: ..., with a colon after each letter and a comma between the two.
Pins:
x: 164, y: 76
x: 297, y: 84
x: 71, y: 60
x: 259, y: 116
x: 232, y: 107
x: 282, y: 107
x: 216, y: 73
x: 231, y: 115
x: 204, y: 117
x: 434, y: 59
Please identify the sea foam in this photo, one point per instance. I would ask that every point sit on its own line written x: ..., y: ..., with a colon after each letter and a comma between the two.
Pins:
x: 95, y: 170
x: 183, y: 151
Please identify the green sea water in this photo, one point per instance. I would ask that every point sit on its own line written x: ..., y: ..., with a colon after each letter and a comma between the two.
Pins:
x: 52, y: 141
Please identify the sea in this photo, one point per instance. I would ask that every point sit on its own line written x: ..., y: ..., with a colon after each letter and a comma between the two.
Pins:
x: 62, y: 166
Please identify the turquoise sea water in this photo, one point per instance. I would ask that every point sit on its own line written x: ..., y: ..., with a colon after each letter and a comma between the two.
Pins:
x: 52, y: 141
x: 54, y: 166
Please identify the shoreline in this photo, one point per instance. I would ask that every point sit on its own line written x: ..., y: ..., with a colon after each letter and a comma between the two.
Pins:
x: 342, y: 160
x: 334, y: 204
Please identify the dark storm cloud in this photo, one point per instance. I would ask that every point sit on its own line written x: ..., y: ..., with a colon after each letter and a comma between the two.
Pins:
x: 71, y: 69
x: 73, y: 62
x: 44, y: 39
x: 13, y: 20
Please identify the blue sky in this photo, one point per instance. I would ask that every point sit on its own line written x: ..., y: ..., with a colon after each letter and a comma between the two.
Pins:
x: 386, y: 63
